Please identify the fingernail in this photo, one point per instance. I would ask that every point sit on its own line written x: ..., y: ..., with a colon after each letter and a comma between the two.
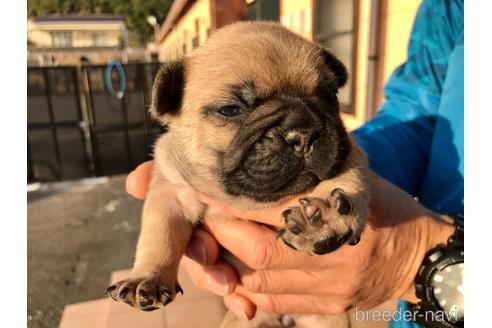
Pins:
x: 240, y: 313
x: 217, y: 281
x: 196, y: 251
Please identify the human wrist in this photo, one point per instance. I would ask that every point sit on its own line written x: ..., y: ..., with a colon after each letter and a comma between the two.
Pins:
x: 441, y: 228
x: 435, y: 230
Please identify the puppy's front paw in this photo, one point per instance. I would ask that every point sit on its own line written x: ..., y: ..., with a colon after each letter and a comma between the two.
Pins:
x: 146, y: 293
x: 321, y: 226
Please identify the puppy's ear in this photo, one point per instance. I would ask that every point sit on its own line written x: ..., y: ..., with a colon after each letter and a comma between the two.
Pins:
x: 167, y: 91
x: 337, y: 67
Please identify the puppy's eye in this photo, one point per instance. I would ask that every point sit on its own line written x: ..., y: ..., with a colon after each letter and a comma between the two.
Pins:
x: 230, y: 111
x: 332, y: 95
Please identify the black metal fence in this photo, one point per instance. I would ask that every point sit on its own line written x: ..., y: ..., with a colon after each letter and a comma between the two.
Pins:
x: 76, y: 128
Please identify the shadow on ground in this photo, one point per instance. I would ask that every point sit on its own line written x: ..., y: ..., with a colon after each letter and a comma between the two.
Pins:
x: 78, y: 233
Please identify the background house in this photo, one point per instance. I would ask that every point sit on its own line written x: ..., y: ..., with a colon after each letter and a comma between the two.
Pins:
x: 189, y: 23
x: 73, y: 39
x: 369, y: 36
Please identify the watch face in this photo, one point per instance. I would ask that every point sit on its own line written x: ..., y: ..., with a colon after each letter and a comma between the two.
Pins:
x: 448, y: 290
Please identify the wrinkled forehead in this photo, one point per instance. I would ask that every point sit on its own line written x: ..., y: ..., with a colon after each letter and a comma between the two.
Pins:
x: 259, y: 65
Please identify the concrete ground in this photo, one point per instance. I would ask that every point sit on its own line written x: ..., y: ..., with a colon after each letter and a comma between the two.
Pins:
x: 78, y: 233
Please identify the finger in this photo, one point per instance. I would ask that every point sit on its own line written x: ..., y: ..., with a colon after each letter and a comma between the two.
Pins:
x: 256, y: 246
x: 241, y: 306
x: 296, y: 304
x: 291, y: 282
x: 220, y: 278
x: 279, y: 281
x: 137, y: 182
x: 270, y: 215
x: 203, y: 248
x: 304, y: 281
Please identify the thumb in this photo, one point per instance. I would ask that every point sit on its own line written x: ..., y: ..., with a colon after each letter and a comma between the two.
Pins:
x: 203, y: 248
x: 256, y: 246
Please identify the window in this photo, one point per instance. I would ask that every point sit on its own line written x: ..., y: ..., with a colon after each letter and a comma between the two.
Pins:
x: 195, y: 42
x: 61, y: 39
x: 264, y: 10
x: 336, y: 29
x: 185, y: 39
x: 99, y: 40
x: 197, y: 27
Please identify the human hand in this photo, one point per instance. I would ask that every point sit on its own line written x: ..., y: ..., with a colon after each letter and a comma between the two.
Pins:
x: 277, y: 279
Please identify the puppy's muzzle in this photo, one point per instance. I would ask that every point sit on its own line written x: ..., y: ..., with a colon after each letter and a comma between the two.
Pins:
x: 302, y: 141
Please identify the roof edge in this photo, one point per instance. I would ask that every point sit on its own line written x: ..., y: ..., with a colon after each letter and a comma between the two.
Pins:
x: 173, y: 15
x: 76, y: 18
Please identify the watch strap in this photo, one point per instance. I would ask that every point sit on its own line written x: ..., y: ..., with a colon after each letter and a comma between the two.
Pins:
x: 455, y: 245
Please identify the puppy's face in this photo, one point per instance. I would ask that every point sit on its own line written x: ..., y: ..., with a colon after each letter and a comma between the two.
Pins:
x: 255, y: 110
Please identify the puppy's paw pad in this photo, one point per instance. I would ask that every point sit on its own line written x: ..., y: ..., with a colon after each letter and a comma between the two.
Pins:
x: 331, y: 243
x: 341, y: 202
x: 319, y: 225
x: 294, y: 220
x: 312, y: 208
x: 146, y: 293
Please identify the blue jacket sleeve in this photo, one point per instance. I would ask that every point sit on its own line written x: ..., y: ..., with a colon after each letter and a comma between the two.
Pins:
x: 398, y: 140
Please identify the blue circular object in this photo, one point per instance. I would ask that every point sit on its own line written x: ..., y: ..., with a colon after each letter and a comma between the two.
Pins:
x: 121, y: 78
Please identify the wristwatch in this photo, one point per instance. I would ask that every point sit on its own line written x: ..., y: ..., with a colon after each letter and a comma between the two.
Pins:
x: 439, y: 283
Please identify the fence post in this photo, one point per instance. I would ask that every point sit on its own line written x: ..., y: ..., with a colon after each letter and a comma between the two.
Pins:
x: 91, y: 124
x: 54, y: 133
x: 30, y: 169
x: 143, y: 90
x: 126, y: 132
x: 83, y: 121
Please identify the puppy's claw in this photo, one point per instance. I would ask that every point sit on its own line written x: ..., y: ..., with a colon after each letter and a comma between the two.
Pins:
x: 289, y: 244
x: 285, y: 213
x: 316, y: 217
x: 279, y: 233
x: 179, y: 289
x: 304, y: 201
x: 337, y: 191
x: 354, y: 241
x: 109, y: 292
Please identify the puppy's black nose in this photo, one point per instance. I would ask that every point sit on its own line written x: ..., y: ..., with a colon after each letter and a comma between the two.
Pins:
x: 301, y: 141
